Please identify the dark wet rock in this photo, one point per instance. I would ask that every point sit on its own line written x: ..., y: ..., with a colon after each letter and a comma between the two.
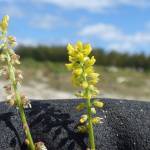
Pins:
x: 126, y: 126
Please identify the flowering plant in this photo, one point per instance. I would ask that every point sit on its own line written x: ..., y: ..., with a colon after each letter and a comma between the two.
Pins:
x: 84, y: 76
x: 14, y: 77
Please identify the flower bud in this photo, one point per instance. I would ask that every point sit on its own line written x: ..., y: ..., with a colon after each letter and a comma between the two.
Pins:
x: 11, y: 96
x: 82, y: 129
x: 11, y: 102
x: 25, y: 101
x: 77, y: 71
x: 19, y: 76
x: 69, y: 66
x: 98, y: 104
x: 7, y: 88
x: 15, y: 58
x: 40, y: 146
x: 4, y: 23
x: 93, y: 110
x: 80, y: 56
x: 11, y: 40
x: 83, y: 118
x: 70, y: 49
x: 84, y: 84
x: 79, y: 45
x: 97, y: 120
x: 87, y: 49
x: 2, y: 57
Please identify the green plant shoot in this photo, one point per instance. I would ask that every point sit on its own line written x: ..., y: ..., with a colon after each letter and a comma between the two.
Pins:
x: 15, y: 98
x: 84, y: 76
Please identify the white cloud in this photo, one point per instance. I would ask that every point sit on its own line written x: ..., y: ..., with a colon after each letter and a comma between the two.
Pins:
x: 75, y: 4
x: 46, y: 21
x: 105, y: 31
x: 115, y: 37
x: 94, y: 5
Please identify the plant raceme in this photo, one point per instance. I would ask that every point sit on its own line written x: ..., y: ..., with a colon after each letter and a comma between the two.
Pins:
x: 14, y: 76
x: 84, y: 76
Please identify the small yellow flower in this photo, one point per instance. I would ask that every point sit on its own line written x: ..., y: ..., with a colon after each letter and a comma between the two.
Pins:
x: 87, y: 49
x: 77, y: 71
x: 79, y: 45
x: 84, y: 85
x: 97, y: 120
x: 98, y: 104
x: 90, y: 62
x: 83, y: 118
x: 93, y: 81
x: 89, y: 70
x: 80, y: 57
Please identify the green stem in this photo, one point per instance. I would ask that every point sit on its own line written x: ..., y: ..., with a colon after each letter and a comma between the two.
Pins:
x: 18, y: 101
x: 90, y: 127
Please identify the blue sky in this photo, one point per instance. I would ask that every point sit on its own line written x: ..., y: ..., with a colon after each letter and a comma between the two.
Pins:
x: 123, y: 25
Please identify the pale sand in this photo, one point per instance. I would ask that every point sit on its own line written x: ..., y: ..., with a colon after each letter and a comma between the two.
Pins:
x: 41, y: 90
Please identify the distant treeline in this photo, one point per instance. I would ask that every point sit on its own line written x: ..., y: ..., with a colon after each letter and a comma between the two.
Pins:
x: 59, y: 54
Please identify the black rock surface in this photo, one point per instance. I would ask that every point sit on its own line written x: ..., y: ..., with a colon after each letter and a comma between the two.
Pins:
x: 126, y: 126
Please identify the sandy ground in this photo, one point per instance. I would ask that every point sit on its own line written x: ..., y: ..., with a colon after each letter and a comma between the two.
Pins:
x: 40, y: 90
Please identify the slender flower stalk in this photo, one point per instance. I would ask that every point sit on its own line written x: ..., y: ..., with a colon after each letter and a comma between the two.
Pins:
x: 84, y: 76
x: 14, y: 76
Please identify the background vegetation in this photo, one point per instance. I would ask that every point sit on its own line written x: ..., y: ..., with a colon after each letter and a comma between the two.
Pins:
x: 59, y: 54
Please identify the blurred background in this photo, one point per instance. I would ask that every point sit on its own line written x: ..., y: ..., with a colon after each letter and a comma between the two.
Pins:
x: 118, y: 30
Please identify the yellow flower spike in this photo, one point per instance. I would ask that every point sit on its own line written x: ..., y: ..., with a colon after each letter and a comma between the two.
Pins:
x: 98, y: 104
x: 83, y: 118
x: 84, y: 76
